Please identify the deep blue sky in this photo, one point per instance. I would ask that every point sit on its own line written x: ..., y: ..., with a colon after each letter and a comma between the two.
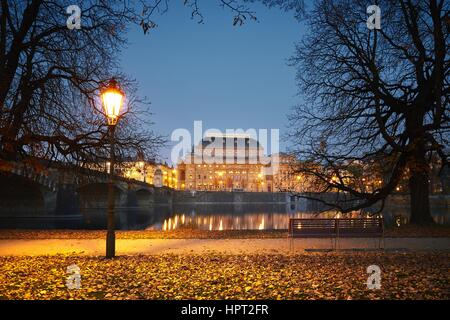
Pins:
x: 228, y: 77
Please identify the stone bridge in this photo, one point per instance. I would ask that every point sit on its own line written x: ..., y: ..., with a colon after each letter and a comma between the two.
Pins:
x: 35, y: 191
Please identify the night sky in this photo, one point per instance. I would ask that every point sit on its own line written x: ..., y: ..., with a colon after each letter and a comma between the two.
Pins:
x: 226, y: 76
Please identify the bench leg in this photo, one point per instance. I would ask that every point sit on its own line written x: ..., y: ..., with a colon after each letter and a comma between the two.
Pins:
x: 290, y: 244
x: 384, y: 243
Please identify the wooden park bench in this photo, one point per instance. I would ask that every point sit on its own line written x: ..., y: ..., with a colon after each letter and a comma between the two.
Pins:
x: 336, y: 229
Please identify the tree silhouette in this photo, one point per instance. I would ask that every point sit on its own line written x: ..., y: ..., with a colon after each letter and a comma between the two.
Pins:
x: 373, y: 95
x: 50, y: 75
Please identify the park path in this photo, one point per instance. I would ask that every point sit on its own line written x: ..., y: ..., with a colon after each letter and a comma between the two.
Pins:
x: 198, y: 246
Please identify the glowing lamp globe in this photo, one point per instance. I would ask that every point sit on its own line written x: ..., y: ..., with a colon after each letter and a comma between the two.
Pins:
x: 112, y: 100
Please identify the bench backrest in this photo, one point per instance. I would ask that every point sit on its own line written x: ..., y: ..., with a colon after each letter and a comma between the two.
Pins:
x: 364, y: 227
x: 312, y: 227
x: 360, y: 227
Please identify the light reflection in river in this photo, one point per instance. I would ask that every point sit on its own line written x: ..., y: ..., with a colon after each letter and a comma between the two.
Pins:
x: 204, y: 217
x: 248, y: 221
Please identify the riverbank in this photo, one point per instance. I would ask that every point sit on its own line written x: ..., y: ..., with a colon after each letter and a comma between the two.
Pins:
x: 404, y: 231
x: 221, y: 276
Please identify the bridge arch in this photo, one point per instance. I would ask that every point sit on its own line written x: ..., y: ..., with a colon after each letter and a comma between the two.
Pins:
x: 20, y: 196
x: 144, y: 198
x: 95, y: 195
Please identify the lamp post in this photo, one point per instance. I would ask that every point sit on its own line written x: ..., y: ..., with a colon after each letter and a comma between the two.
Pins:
x: 112, y: 99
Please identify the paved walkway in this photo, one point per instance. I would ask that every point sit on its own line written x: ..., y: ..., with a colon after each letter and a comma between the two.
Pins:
x: 198, y: 246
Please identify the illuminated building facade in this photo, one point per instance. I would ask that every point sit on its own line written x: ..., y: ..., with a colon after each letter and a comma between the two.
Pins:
x: 224, y: 163
x: 237, y: 163
x: 151, y: 172
x: 158, y: 174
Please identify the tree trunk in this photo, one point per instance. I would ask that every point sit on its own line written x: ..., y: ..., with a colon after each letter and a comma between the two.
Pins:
x: 419, y: 187
x: 420, y: 203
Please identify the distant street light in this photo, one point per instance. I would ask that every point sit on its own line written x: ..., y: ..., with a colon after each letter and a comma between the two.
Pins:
x: 112, y: 100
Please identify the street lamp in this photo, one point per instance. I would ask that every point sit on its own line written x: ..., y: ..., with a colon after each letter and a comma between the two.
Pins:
x: 112, y: 100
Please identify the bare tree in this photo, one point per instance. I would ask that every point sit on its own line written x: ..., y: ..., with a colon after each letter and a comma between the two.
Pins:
x: 374, y: 96
x: 240, y: 9
x: 50, y: 76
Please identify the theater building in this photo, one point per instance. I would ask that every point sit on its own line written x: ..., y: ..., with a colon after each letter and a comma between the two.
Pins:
x: 224, y: 163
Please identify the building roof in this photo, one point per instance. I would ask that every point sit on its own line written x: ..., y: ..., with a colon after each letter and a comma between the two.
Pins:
x: 235, y: 141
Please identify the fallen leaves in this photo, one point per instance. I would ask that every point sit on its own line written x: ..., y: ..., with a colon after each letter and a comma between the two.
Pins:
x: 220, y: 276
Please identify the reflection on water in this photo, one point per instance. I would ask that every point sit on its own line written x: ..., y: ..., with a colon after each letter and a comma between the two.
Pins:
x: 272, y: 218
x: 202, y: 217
x: 246, y: 221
